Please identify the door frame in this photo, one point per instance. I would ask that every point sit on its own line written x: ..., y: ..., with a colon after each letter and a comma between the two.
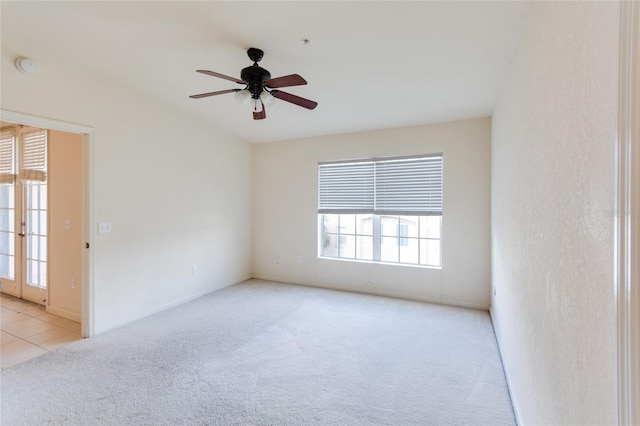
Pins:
x: 627, y: 218
x: 87, y: 310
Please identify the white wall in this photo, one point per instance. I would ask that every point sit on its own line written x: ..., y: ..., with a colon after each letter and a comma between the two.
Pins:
x: 285, y: 220
x: 176, y: 191
x: 553, y: 150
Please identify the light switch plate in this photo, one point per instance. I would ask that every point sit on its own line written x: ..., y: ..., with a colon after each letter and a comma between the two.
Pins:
x: 104, y: 227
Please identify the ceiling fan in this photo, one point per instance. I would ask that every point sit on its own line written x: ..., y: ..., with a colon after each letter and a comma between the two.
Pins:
x: 259, y: 87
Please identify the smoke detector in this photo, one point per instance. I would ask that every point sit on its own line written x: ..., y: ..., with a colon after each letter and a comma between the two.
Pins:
x: 27, y: 66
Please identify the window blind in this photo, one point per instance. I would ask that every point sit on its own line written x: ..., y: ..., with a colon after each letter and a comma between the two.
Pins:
x: 34, y: 156
x: 7, y: 157
x: 346, y: 187
x: 397, y: 186
x: 409, y: 186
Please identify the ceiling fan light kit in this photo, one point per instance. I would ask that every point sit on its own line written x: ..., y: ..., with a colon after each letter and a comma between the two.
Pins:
x: 243, y: 96
x: 260, y: 89
x: 267, y: 98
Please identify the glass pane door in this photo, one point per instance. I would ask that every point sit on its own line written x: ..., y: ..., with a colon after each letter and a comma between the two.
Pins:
x: 34, y: 242
x: 36, y: 235
x: 9, y: 246
x: 23, y: 214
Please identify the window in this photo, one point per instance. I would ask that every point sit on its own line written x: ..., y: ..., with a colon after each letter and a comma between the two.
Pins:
x: 382, y: 210
x: 403, y: 233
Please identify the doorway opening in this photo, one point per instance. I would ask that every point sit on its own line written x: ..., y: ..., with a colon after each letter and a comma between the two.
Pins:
x: 44, y: 216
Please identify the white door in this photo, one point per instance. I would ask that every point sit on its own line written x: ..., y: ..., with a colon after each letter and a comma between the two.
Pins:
x: 23, y: 213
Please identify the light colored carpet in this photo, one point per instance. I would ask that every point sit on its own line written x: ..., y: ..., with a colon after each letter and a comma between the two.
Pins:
x: 261, y: 353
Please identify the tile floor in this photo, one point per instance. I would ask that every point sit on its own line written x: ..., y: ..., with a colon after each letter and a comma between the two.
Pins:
x: 27, y: 331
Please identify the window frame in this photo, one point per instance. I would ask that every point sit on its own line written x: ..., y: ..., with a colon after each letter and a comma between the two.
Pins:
x: 377, y: 241
x: 418, y: 209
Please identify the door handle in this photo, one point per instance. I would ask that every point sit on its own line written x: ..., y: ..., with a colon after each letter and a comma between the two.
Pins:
x: 21, y: 234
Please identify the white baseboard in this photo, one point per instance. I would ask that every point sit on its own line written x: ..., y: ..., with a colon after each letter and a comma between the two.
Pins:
x: 507, y: 376
x: 153, y: 311
x: 167, y: 305
x: 63, y: 313
x: 374, y: 292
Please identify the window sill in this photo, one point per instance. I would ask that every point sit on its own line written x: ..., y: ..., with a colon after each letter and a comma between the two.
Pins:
x: 373, y: 262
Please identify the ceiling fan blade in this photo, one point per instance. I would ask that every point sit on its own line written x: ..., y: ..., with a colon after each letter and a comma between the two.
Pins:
x: 304, y: 103
x: 220, y: 92
x: 260, y: 115
x: 226, y: 77
x: 285, y: 81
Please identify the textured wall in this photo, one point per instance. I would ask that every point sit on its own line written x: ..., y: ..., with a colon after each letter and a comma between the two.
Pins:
x: 553, y: 150
x: 286, y: 203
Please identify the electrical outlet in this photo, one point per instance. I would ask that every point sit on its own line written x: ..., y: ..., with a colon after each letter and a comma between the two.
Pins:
x: 299, y: 259
x: 194, y: 269
x: 73, y: 283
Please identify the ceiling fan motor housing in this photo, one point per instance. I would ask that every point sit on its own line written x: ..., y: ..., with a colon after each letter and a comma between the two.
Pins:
x: 255, y: 76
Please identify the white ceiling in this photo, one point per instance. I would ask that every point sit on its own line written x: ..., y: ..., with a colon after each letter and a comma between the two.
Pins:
x: 369, y: 65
